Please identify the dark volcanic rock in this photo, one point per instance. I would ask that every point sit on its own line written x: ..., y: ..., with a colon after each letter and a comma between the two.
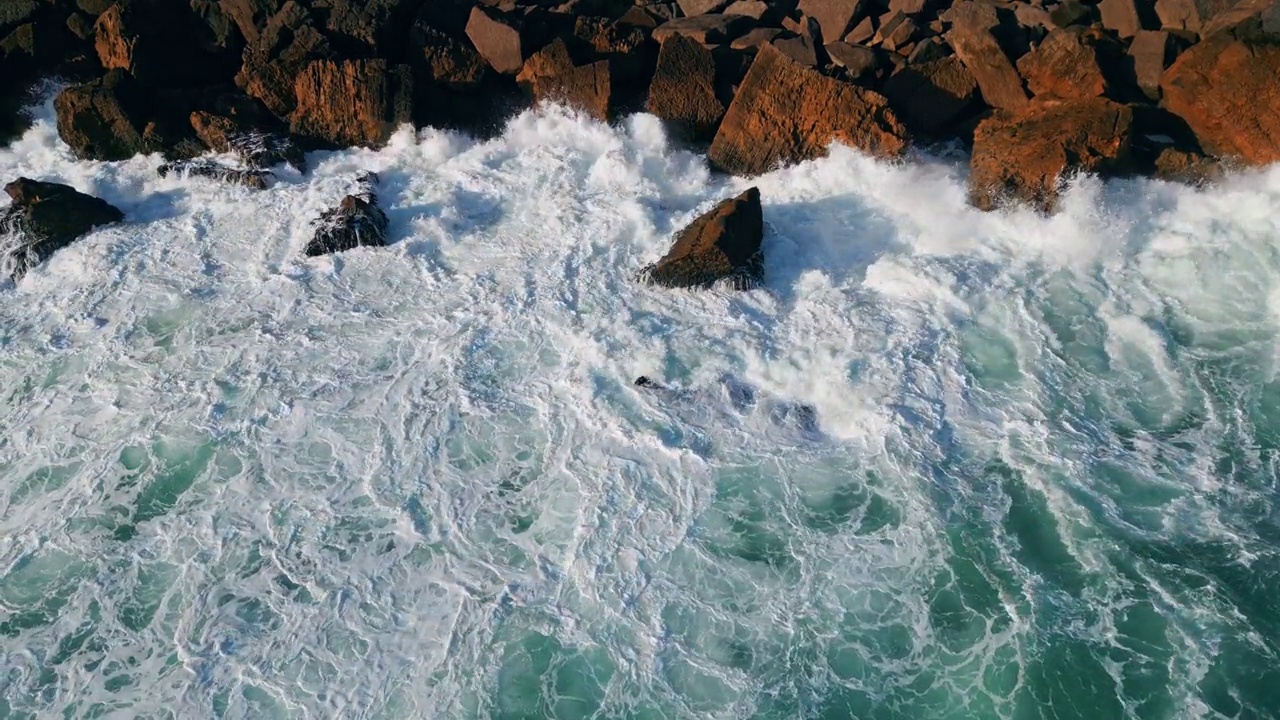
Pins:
x: 1024, y: 156
x: 356, y: 222
x: 785, y: 112
x: 1226, y: 89
x: 256, y: 179
x: 550, y: 75
x: 683, y: 91
x: 352, y: 102
x: 44, y: 218
x: 723, y: 244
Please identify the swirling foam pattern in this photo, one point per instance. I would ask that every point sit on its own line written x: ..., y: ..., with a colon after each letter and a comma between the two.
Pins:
x: 416, y: 481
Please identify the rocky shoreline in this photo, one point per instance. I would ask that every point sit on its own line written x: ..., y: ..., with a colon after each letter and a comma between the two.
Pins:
x: 1034, y: 90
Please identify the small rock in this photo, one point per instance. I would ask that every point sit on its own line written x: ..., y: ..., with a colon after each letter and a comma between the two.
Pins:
x: 910, y: 7
x: 785, y: 112
x: 44, y: 218
x: 356, y: 222
x: 683, y: 90
x: 256, y: 179
x: 896, y: 32
x: 692, y: 8
x: 754, y: 9
x: 858, y: 61
x: 928, y: 50
x: 1070, y: 12
x: 1120, y: 16
x: 721, y: 245
x: 1025, y: 155
x: 862, y: 32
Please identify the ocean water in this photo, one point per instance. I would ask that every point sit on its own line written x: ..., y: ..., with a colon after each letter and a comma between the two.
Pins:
x: 417, y: 482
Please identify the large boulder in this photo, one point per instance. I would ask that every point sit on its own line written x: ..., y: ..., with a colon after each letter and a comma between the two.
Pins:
x: 785, y: 112
x: 46, y: 217
x: 1026, y: 155
x: 356, y: 222
x: 100, y: 120
x: 683, y: 91
x: 721, y: 245
x: 352, y: 102
x: 550, y: 76
x: 500, y: 39
x: 1225, y: 88
x: 159, y: 41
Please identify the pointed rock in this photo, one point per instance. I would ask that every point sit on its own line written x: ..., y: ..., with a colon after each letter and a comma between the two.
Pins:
x: 785, y: 112
x: 721, y: 245
x: 550, y: 75
x: 971, y: 37
x: 356, y: 222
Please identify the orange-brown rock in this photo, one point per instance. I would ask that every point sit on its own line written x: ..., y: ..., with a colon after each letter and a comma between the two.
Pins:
x: 101, y: 119
x: 1225, y: 88
x: 974, y: 43
x: 498, y: 38
x: 683, y: 89
x: 352, y: 102
x: 154, y: 40
x: 1150, y: 53
x: 550, y: 76
x: 272, y: 64
x: 1026, y: 155
x: 834, y: 17
x: 785, y: 112
x: 1066, y: 65
x: 721, y: 245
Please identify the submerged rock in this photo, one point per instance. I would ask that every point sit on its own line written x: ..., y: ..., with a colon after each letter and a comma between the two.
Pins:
x: 44, y: 218
x: 723, y: 244
x: 256, y: 179
x: 356, y: 222
x: 744, y: 399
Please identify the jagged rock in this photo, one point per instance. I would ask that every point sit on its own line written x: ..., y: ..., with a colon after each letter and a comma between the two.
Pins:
x: 785, y: 112
x: 910, y: 7
x: 550, y: 75
x: 356, y: 222
x: 834, y: 17
x: 1025, y: 155
x: 929, y: 98
x: 628, y: 49
x: 376, y: 27
x: 706, y: 29
x: 683, y: 90
x: 1070, y: 12
x: 256, y: 179
x: 352, y: 102
x: 754, y: 9
x: 861, y: 33
x: 273, y: 62
x: 896, y: 31
x: 44, y: 218
x: 721, y: 245
x: 446, y: 60
x: 1066, y: 65
x: 257, y: 147
x: 1190, y: 15
x: 1225, y: 87
x: 804, y: 47
x: 1189, y: 167
x: 99, y: 120
x: 1151, y: 52
x: 498, y: 38
x: 974, y: 43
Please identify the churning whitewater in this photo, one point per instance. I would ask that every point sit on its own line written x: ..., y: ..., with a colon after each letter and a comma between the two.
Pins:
x: 418, y: 482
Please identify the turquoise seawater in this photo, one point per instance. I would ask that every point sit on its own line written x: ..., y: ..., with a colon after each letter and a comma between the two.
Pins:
x: 417, y: 482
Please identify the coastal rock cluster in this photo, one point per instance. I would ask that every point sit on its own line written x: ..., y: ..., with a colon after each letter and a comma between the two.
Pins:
x: 1036, y: 90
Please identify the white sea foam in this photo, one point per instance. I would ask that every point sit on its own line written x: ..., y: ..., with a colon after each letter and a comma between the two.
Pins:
x: 416, y: 481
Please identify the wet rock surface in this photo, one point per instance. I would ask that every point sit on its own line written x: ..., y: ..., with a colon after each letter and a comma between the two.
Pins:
x: 723, y: 245
x: 357, y: 221
x: 45, y: 217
